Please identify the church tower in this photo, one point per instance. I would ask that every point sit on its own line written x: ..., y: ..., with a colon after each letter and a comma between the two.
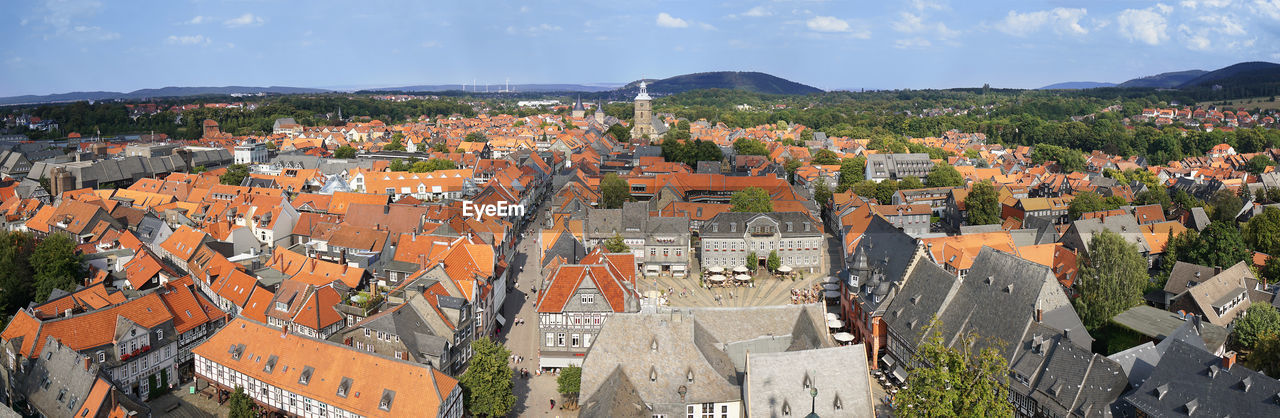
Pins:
x: 600, y: 112
x: 642, y: 125
x: 578, y: 111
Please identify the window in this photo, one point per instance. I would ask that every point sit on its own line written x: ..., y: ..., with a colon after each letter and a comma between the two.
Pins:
x: 560, y: 339
x: 588, y: 298
x: 551, y: 341
x: 366, y: 332
x: 586, y: 340
x: 575, y: 340
x: 102, y: 357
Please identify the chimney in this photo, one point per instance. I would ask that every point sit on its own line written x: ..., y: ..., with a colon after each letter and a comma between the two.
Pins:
x: 1039, y: 315
x: 1228, y: 360
x: 86, y: 362
x: 284, y: 331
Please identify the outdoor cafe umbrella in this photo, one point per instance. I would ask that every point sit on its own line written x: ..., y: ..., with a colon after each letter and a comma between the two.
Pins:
x: 832, y: 315
x: 831, y: 286
x: 843, y: 337
x: 784, y: 269
x: 740, y: 269
x: 716, y: 278
x: 742, y: 278
x: 831, y: 294
x: 834, y: 323
x: 717, y: 269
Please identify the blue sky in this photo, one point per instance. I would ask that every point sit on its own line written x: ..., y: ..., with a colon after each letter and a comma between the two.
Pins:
x: 55, y: 46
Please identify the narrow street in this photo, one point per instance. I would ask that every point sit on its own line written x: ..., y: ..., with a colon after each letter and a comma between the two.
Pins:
x: 533, y: 395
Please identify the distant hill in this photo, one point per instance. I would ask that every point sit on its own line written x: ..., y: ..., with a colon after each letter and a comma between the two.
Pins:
x: 1164, y: 80
x: 1077, y: 85
x: 154, y: 93
x: 731, y: 80
x: 1238, y: 75
x: 494, y: 88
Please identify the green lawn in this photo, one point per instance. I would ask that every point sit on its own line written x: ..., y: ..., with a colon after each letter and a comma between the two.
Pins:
x: 1113, y: 338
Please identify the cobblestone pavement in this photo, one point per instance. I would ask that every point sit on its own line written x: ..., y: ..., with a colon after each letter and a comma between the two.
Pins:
x: 533, y: 395
x: 189, y: 405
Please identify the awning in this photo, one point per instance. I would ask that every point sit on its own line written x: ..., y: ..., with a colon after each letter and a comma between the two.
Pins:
x: 677, y: 267
x: 652, y: 267
x: 559, y: 362
x: 501, y: 321
x: 888, y: 361
x: 900, y: 374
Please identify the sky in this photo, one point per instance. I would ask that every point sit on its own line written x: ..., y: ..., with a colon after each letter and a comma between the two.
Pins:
x: 56, y: 46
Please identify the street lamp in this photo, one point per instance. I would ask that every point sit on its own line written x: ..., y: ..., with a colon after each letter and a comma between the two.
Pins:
x: 813, y: 393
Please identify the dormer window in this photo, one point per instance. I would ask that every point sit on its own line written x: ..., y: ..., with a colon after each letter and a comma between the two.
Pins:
x: 388, y: 396
x: 588, y: 298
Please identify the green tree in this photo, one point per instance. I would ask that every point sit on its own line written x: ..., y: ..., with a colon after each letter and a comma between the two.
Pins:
x: 1262, y: 232
x: 17, y: 287
x: 57, y: 265
x: 614, y: 191
x: 487, y: 381
x: 1068, y: 159
x: 791, y: 166
x: 476, y: 136
x: 910, y: 183
x: 751, y: 199
x: 345, y: 151
x: 1266, y: 354
x: 1111, y: 280
x: 433, y: 164
x: 1224, y: 206
x: 570, y: 381
x: 944, y: 175
x: 1222, y: 245
x: 1085, y: 202
x: 240, y: 404
x: 773, y: 262
x: 198, y: 169
x: 825, y: 157
x: 615, y: 244
x: 1270, y: 272
x: 440, y: 147
x: 956, y: 381
x: 885, y: 190
x: 852, y: 171
x: 753, y: 260
x: 748, y: 146
x: 821, y: 193
x: 1185, y: 200
x: 401, y: 164
x: 396, y: 144
x: 620, y: 133
x: 865, y: 188
x: 982, y: 204
x: 1260, y: 319
x: 234, y: 175
x: 1258, y: 164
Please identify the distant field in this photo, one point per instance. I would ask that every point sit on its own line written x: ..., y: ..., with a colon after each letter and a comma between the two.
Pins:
x: 1250, y: 103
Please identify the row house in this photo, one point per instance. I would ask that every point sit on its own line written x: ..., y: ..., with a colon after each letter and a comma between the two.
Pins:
x: 300, y: 376
x: 935, y: 197
x: 576, y: 300
x: 660, y: 245
x: 304, y: 309
x: 436, y: 185
x: 912, y: 219
x: 729, y: 237
x: 428, y: 327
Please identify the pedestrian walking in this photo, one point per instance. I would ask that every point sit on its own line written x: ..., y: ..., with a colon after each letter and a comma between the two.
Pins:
x: 553, y: 404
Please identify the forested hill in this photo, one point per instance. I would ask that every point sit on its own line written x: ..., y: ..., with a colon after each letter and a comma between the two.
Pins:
x: 154, y: 93
x: 1242, y: 74
x: 730, y: 80
x: 1164, y: 80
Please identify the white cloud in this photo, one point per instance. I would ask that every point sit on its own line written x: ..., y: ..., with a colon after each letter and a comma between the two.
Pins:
x: 187, y: 40
x: 915, y: 24
x: 1271, y: 8
x: 1213, y: 4
x: 1147, y: 25
x: 1213, y: 29
x: 827, y: 24
x: 93, y: 33
x: 911, y: 43
x: 758, y: 11
x: 1223, y: 24
x: 430, y: 44
x: 196, y: 20
x: 524, y: 9
x: 706, y: 26
x: 667, y: 21
x: 928, y: 4
x: 246, y: 19
x: 533, y: 30
x: 1063, y: 21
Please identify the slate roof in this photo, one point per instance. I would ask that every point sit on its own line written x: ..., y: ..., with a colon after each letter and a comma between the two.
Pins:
x: 1189, y: 381
x: 779, y: 379
x: 657, y: 352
